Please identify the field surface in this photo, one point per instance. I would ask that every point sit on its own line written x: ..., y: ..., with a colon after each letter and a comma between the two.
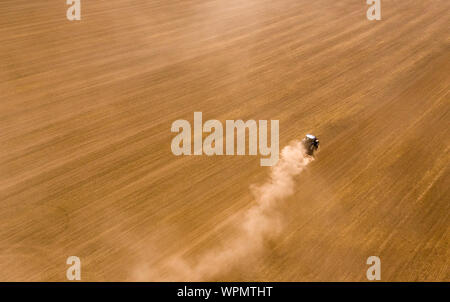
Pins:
x: 86, y: 167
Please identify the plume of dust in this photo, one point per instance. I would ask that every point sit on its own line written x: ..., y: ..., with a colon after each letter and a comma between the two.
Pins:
x: 259, y: 223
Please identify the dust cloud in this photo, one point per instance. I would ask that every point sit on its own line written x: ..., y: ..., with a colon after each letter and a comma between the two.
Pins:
x: 257, y: 224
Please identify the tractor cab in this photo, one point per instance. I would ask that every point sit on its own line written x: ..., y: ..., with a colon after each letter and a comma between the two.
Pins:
x: 311, y: 144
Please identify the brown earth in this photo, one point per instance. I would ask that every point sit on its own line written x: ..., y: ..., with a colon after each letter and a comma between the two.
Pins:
x: 86, y: 108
